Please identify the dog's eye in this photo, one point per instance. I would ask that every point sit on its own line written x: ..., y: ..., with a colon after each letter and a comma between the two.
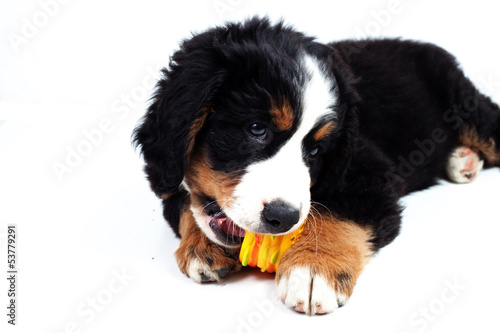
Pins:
x: 258, y: 130
x: 314, y: 151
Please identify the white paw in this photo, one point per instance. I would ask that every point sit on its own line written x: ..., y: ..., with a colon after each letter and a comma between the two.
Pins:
x: 308, y: 292
x: 201, y: 272
x: 464, y: 165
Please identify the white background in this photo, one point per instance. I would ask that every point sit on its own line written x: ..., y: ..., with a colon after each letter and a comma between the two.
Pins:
x: 72, y: 68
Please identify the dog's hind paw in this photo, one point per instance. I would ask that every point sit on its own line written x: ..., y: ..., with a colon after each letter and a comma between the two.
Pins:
x: 464, y: 165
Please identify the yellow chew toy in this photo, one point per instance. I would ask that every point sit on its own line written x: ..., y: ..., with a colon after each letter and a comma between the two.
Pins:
x: 265, y: 251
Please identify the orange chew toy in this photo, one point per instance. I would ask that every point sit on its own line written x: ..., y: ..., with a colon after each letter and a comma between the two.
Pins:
x: 265, y: 251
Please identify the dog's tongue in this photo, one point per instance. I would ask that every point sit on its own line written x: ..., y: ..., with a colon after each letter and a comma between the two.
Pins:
x: 229, y: 227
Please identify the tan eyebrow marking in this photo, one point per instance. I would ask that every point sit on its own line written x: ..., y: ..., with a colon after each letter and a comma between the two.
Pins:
x: 282, y: 114
x: 325, y: 130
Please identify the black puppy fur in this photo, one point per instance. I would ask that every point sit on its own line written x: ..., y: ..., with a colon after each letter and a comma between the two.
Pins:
x: 402, y: 106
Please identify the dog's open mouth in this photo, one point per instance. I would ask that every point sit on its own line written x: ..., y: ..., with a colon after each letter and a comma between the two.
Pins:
x: 223, y: 227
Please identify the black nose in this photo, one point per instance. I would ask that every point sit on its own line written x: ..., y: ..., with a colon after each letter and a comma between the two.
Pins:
x: 279, y: 217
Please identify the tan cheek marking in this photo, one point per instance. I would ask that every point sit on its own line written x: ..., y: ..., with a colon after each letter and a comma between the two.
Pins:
x: 325, y: 130
x: 202, y: 179
x: 470, y: 137
x: 282, y: 114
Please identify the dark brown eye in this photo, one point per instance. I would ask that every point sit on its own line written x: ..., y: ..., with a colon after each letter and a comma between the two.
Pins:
x: 258, y: 131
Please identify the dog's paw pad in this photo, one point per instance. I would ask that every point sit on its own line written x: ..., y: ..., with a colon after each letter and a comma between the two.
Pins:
x: 464, y: 165
x: 308, y: 292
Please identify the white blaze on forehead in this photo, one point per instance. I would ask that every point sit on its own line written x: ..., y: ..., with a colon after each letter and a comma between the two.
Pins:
x: 285, y: 176
x: 317, y: 99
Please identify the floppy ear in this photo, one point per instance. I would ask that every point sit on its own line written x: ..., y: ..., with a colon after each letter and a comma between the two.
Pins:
x: 349, y: 100
x: 179, y: 107
x: 339, y: 157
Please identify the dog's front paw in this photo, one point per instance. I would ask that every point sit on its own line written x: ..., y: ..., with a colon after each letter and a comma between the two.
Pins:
x: 308, y: 290
x: 204, y: 261
x: 318, y: 273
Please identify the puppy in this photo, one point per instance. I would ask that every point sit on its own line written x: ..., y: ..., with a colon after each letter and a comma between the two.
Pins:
x: 258, y: 127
